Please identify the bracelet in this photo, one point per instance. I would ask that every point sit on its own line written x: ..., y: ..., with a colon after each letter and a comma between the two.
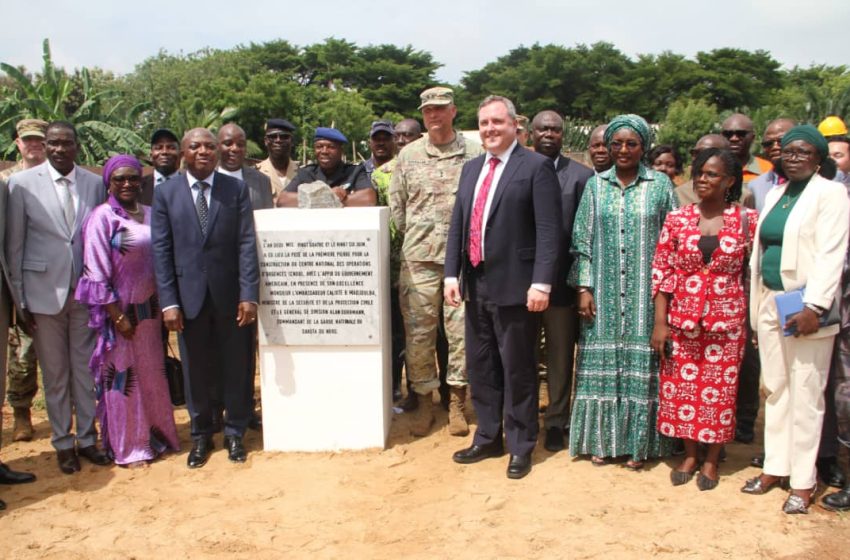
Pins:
x: 582, y: 290
x: 120, y: 318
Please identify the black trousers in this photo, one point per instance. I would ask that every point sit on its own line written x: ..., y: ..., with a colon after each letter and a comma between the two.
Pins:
x: 500, y: 361
x: 216, y: 362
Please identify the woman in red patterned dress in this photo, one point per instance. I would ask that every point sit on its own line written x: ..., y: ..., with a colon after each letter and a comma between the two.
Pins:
x: 700, y: 312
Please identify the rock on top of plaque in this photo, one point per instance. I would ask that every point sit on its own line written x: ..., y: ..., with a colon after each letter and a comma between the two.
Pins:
x: 317, y: 195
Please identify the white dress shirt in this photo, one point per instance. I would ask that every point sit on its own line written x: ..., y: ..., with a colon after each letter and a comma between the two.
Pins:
x: 195, y: 190
x: 497, y: 175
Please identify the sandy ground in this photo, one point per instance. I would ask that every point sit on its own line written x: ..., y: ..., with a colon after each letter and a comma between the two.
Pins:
x: 409, y: 500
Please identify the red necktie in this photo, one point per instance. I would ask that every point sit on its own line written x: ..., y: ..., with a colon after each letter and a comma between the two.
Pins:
x: 478, y: 215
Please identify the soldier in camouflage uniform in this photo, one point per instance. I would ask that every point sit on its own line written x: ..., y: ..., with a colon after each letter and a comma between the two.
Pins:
x: 422, y: 196
x: 23, y: 368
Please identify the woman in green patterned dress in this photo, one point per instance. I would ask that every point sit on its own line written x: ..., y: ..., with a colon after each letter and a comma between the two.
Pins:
x: 617, y: 226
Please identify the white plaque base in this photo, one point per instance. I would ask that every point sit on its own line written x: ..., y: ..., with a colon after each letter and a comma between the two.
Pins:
x: 328, y: 397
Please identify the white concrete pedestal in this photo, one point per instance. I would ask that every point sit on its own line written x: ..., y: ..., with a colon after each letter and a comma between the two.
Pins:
x: 324, y: 340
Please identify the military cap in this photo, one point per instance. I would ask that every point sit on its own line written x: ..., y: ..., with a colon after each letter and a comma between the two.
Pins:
x: 31, y: 127
x: 436, y: 96
x: 332, y: 134
x: 160, y: 132
x: 280, y: 123
x: 382, y: 126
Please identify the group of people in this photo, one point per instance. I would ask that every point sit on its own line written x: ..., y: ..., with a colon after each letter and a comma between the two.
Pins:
x: 656, y: 303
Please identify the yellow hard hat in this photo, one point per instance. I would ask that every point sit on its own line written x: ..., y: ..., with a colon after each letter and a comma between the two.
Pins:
x: 832, y: 126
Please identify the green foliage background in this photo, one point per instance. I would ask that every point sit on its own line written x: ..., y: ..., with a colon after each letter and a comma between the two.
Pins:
x: 339, y: 83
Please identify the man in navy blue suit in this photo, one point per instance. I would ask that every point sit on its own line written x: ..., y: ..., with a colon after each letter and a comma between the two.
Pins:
x: 207, y: 276
x: 502, y: 257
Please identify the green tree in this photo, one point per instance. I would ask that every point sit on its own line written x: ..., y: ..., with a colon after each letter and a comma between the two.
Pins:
x: 103, y: 121
x: 686, y: 121
x: 735, y: 79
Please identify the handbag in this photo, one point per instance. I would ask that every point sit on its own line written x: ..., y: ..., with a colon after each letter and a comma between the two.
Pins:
x: 791, y: 302
x: 174, y: 375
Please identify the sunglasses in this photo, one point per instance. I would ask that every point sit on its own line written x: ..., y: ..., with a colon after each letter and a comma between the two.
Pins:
x: 771, y: 143
x: 729, y: 134
x: 278, y: 136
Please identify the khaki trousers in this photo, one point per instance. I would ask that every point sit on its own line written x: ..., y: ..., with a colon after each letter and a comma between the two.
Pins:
x: 794, y: 373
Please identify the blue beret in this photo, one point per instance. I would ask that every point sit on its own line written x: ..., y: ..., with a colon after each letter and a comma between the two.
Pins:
x: 332, y: 134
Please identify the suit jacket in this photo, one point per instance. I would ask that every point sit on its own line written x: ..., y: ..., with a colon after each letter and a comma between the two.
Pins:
x: 44, y: 256
x: 572, y: 178
x: 259, y: 188
x: 523, y: 229
x: 189, y: 263
x: 814, y: 245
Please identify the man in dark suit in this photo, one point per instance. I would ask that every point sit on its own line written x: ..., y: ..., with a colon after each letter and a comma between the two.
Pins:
x: 502, y: 249
x: 205, y: 257
x: 165, y: 157
x: 560, y: 320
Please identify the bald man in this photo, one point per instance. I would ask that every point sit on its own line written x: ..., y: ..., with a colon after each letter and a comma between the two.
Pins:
x: 771, y: 148
x: 232, y: 145
x: 738, y: 129
x: 205, y: 256
x: 599, y: 156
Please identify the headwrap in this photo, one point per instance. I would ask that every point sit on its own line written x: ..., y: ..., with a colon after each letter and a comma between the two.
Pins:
x: 809, y: 134
x: 635, y: 123
x: 121, y: 160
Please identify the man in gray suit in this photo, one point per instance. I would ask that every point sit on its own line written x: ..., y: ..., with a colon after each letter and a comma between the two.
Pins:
x: 47, y: 207
x: 7, y: 476
x: 232, y: 145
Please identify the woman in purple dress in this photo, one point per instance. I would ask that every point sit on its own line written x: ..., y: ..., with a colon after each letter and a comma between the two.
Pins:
x: 118, y: 285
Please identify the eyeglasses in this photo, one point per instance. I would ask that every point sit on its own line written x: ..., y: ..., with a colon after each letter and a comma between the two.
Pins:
x: 769, y: 143
x: 129, y: 179
x: 630, y: 145
x: 729, y: 134
x: 278, y: 136
x: 796, y: 155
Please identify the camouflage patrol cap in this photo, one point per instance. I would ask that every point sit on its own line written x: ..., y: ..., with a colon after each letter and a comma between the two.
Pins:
x: 31, y: 127
x: 437, y: 96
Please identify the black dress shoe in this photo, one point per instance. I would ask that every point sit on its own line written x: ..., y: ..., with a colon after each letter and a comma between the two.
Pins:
x: 477, y: 453
x: 8, y: 476
x: 235, y: 449
x: 201, y: 449
x: 256, y: 423
x: 839, y: 501
x: 554, y: 440
x: 829, y: 471
x: 94, y: 455
x: 519, y: 466
x: 68, y: 462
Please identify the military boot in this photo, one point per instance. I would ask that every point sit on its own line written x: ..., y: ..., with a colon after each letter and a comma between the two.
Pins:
x: 457, y: 406
x: 22, y: 430
x: 423, y: 416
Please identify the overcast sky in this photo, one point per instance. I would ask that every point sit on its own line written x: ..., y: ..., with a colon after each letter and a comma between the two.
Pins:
x: 463, y: 35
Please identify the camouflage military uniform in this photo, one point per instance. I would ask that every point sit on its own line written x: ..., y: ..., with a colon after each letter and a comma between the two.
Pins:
x: 22, y: 373
x: 422, y: 197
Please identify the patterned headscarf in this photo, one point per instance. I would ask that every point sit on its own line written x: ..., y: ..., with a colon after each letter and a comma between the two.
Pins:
x: 635, y: 123
x: 115, y: 162
x: 809, y: 134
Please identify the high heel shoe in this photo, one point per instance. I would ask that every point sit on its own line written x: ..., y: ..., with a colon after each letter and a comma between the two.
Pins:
x: 795, y: 504
x: 704, y: 483
x: 678, y: 478
x: 756, y: 486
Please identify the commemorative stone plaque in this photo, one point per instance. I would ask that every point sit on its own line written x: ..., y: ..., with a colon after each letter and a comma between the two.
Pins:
x: 319, y: 289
